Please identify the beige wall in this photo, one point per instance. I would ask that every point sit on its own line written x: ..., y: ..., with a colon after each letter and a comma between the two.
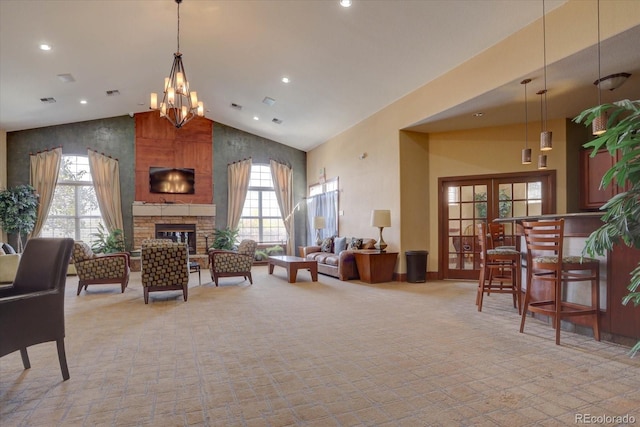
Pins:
x: 491, y: 150
x: 381, y: 180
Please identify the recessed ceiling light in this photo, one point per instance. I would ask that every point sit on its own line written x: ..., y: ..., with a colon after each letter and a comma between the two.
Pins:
x: 45, y: 46
x: 478, y: 114
x: 345, y: 3
x: 256, y: 118
x: 83, y: 101
x: 285, y: 80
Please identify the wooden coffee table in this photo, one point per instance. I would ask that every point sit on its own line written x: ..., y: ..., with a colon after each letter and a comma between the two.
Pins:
x: 293, y: 264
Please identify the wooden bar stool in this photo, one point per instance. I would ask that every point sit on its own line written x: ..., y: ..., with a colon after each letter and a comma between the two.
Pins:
x: 497, y: 239
x: 547, y: 265
x: 499, y: 271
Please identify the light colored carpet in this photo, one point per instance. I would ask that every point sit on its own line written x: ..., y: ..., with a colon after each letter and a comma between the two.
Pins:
x: 329, y: 353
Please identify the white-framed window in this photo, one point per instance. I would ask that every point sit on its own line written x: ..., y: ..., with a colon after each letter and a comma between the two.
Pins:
x: 320, y: 188
x: 74, y: 211
x: 323, y: 202
x: 261, y: 219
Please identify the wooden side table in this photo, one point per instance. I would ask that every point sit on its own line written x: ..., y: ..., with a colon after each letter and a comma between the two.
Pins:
x: 376, y: 266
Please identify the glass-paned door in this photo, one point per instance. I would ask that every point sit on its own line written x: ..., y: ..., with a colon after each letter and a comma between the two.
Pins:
x: 466, y: 206
x: 517, y: 199
x: 466, y: 202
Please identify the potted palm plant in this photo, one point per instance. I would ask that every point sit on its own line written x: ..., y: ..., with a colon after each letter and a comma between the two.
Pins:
x: 108, y: 242
x: 622, y: 212
x: 224, y: 238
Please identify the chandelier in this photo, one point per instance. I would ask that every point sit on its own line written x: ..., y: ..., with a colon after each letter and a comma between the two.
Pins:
x: 179, y: 104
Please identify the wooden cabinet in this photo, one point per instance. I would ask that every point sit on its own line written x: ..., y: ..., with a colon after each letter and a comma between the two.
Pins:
x: 375, y: 266
x: 624, y: 319
x: 592, y: 169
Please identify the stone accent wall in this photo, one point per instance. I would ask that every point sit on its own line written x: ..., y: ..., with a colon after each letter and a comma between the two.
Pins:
x: 144, y: 227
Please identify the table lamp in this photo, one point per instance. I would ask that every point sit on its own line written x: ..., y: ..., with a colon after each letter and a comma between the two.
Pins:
x: 380, y: 219
x: 318, y: 224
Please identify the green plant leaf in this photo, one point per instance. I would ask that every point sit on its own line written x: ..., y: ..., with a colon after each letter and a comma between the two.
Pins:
x: 622, y: 212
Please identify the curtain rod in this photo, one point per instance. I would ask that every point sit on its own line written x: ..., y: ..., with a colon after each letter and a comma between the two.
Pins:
x: 106, y: 155
x: 45, y: 150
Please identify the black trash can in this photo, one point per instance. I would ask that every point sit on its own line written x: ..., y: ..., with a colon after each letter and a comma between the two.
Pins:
x: 416, y: 266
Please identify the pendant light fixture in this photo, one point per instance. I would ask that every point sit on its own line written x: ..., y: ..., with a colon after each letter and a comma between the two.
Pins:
x: 546, y: 142
x: 599, y: 124
x: 526, y: 151
x: 179, y: 104
x: 542, y: 158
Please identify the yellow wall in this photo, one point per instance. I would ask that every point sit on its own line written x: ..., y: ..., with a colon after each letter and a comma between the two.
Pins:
x: 380, y: 181
x: 415, y: 192
x: 486, y: 151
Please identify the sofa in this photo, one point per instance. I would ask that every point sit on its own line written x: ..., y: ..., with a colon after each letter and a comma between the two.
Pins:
x: 9, y: 261
x: 335, y: 255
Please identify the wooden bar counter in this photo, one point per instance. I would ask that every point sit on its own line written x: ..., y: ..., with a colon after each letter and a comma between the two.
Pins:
x: 620, y: 323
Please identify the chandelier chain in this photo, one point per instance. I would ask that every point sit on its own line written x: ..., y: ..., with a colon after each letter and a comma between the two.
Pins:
x: 178, y: 26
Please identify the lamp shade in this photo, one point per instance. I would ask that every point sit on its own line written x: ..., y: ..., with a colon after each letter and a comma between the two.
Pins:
x: 318, y: 222
x: 381, y: 218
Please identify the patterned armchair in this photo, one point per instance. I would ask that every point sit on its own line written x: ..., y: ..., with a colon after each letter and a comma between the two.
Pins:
x: 165, y: 267
x: 98, y: 269
x: 233, y: 263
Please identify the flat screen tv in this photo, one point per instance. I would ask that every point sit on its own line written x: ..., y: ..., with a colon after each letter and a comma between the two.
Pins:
x: 171, y: 181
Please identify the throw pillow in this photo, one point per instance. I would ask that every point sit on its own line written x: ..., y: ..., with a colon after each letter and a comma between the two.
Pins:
x: 368, y: 244
x: 355, y: 243
x: 327, y: 245
x: 2, y: 252
x: 339, y: 244
x: 8, y: 249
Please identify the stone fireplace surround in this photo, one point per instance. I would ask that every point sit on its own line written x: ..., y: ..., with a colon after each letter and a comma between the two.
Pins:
x: 147, y: 215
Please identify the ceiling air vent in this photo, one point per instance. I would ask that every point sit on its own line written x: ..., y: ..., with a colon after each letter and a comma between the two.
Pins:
x: 66, y: 78
x: 236, y: 106
x: 48, y: 100
x: 114, y: 92
x: 268, y: 101
x: 277, y: 121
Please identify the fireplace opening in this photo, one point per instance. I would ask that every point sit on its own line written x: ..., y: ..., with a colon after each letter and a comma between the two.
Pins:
x: 184, y: 233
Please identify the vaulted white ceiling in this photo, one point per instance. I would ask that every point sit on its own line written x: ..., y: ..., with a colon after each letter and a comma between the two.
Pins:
x: 344, y: 63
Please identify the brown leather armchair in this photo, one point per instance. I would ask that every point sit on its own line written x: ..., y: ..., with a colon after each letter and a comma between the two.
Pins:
x: 32, y: 308
x: 98, y: 269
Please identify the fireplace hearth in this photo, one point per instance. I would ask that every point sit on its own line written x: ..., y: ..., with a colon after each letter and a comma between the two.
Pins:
x: 184, y: 233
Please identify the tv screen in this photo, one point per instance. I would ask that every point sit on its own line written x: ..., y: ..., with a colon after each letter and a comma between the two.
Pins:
x: 171, y: 181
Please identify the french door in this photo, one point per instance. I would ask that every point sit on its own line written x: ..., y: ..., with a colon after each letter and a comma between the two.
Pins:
x: 466, y: 201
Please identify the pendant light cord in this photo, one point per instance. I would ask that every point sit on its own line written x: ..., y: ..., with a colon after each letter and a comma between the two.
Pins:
x: 599, y: 74
x: 544, y: 58
x: 526, y: 119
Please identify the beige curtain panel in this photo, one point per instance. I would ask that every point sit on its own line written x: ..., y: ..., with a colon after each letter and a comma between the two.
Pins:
x: 283, y: 184
x: 45, y: 167
x: 105, y: 173
x: 238, y: 174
